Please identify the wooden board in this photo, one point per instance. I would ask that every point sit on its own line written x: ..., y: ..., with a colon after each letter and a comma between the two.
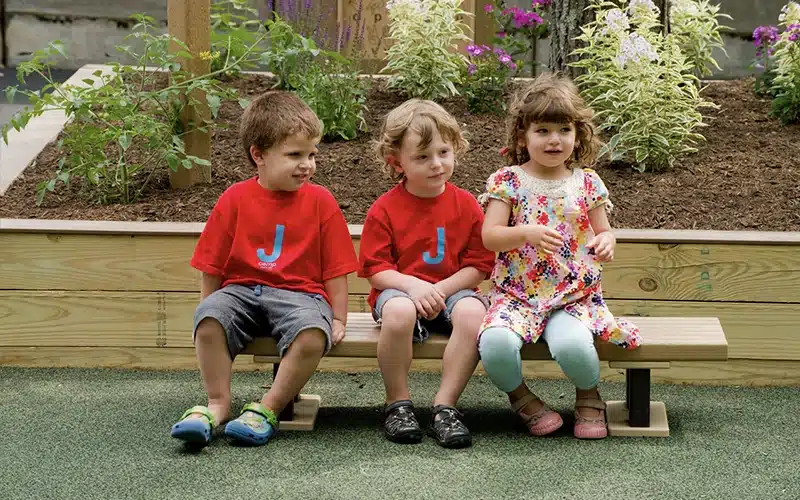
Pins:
x: 152, y: 319
x: 618, y: 426
x: 147, y: 262
x: 96, y: 319
x: 735, y: 372
x: 663, y: 339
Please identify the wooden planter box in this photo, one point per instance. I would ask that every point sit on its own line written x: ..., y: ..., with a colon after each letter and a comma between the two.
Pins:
x: 122, y: 295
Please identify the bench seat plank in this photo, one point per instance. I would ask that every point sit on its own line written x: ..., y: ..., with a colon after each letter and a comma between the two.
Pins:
x: 663, y: 339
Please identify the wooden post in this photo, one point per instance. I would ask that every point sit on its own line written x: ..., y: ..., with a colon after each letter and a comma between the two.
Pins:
x: 190, y: 22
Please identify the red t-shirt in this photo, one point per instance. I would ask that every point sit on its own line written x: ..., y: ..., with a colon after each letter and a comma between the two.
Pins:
x: 289, y: 240
x: 428, y: 238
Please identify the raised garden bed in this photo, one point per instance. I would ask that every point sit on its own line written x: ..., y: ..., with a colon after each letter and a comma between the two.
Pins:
x: 745, y: 177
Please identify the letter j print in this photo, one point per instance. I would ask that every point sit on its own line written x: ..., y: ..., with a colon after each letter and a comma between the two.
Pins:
x: 276, y: 248
x: 440, y: 241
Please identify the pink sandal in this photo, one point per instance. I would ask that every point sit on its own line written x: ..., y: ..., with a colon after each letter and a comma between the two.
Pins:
x: 588, y: 427
x: 543, y: 422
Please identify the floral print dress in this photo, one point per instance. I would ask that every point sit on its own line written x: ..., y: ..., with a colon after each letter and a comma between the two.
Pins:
x: 529, y: 284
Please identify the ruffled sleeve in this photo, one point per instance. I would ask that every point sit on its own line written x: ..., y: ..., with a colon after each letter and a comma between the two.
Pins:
x: 502, y: 185
x: 596, y: 191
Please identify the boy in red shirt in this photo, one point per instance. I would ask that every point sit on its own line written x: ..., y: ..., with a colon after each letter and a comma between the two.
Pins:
x: 275, y: 254
x: 422, y: 252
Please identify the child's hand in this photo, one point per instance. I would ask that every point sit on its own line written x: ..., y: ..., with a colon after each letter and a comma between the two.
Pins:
x: 337, y: 335
x: 427, y: 298
x: 603, y: 245
x: 548, y: 239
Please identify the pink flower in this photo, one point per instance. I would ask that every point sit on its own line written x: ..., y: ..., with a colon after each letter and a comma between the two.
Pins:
x: 488, y: 8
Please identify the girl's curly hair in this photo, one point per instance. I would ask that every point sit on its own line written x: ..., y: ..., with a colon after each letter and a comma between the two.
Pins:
x: 551, y: 98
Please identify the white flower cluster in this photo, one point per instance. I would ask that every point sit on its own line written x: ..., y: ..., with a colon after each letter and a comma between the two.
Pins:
x: 790, y: 13
x: 634, y: 49
x: 688, y: 7
x: 616, y: 20
x: 418, y: 5
x: 637, y: 4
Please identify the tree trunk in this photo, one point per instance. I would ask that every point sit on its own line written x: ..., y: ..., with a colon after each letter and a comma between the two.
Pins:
x: 663, y: 7
x: 567, y: 18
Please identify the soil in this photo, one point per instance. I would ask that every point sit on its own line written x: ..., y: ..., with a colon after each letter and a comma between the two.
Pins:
x: 746, y: 176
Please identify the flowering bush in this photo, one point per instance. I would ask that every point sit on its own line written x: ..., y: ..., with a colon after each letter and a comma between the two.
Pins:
x: 640, y: 85
x: 422, y: 58
x: 786, y: 84
x: 764, y: 38
x: 695, y: 25
x: 518, y: 28
x: 487, y: 78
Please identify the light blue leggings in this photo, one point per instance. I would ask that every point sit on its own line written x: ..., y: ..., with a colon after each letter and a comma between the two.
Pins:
x: 571, y: 345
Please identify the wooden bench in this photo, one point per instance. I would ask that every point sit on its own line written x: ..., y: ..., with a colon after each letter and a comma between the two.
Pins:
x: 664, y: 339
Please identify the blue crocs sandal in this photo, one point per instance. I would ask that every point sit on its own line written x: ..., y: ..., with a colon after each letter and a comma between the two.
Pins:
x: 254, y: 426
x: 194, y: 430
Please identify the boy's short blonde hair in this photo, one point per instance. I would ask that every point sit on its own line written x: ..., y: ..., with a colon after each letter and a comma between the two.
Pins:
x: 272, y: 117
x: 420, y: 116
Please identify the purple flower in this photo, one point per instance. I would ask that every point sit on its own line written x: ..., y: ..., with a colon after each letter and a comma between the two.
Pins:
x: 764, y: 37
x: 542, y: 3
x: 488, y: 8
x: 471, y: 69
x: 505, y: 59
x: 794, y: 32
x: 474, y: 50
x: 499, y: 52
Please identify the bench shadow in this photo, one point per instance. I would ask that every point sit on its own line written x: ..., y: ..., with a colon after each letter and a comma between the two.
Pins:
x: 479, y: 420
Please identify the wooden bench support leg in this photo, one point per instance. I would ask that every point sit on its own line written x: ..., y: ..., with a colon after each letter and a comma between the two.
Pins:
x: 301, y: 413
x: 638, y: 397
x: 637, y: 415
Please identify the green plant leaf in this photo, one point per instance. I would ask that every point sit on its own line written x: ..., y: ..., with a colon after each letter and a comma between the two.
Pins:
x: 124, y: 141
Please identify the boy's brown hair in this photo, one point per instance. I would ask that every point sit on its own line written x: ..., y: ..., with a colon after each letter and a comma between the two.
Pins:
x: 423, y: 117
x: 551, y: 98
x: 272, y: 117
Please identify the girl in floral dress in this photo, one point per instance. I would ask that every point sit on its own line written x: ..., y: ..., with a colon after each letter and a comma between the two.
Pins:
x: 546, y: 218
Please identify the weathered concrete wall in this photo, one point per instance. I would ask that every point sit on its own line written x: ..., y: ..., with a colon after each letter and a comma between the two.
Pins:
x: 91, y: 28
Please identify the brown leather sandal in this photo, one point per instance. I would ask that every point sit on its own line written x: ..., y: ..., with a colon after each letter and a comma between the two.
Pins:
x: 543, y: 422
x: 588, y: 427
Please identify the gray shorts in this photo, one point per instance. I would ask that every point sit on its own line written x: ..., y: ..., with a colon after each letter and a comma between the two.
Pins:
x: 440, y: 324
x: 247, y: 312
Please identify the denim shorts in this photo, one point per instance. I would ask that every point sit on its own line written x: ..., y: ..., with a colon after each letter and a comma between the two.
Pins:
x: 247, y: 312
x: 440, y: 324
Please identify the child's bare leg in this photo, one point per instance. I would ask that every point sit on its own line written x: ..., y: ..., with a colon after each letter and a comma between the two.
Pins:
x: 398, y: 318
x: 297, y: 366
x: 216, y: 365
x: 461, y: 354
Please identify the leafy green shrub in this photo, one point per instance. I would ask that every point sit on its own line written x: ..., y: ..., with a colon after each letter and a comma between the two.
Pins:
x: 235, y: 30
x: 423, y: 57
x: 786, y: 84
x: 333, y: 89
x: 120, y: 111
x: 695, y: 26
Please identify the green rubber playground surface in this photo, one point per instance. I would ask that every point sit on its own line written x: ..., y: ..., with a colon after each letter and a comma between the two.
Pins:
x: 85, y: 434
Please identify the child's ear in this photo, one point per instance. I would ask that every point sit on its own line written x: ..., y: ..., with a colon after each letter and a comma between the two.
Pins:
x: 392, y: 160
x: 256, y: 154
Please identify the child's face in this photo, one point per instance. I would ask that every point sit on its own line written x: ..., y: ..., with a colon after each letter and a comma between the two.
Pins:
x: 428, y: 169
x: 549, y: 144
x: 287, y: 165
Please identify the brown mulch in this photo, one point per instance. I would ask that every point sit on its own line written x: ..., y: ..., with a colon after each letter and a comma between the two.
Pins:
x: 746, y: 176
